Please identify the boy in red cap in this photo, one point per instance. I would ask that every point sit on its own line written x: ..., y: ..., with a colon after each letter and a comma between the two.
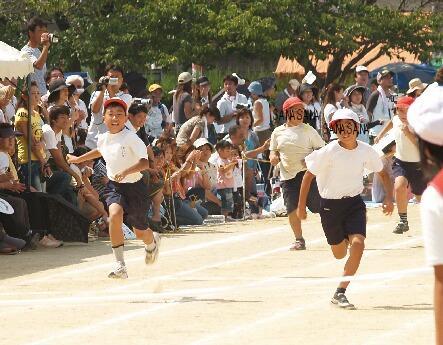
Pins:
x: 290, y: 144
x: 125, y: 156
x: 338, y: 168
x: 406, y: 166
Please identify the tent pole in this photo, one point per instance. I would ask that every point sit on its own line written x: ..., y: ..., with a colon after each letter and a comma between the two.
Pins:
x: 30, y: 112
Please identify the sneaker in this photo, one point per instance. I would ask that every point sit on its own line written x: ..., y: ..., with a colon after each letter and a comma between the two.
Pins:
x: 151, y: 255
x: 340, y: 300
x: 299, y: 245
x: 48, y: 243
x: 401, y: 228
x: 120, y: 272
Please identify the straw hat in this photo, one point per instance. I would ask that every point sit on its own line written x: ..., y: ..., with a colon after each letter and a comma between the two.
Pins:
x: 416, y: 84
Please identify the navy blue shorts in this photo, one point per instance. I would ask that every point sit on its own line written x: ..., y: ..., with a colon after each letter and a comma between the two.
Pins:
x: 343, y: 217
x: 133, y: 198
x: 412, y: 172
x: 291, y: 193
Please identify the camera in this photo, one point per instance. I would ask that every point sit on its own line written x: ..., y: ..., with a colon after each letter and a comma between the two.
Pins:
x: 144, y: 101
x: 240, y: 106
x: 106, y: 80
x: 53, y: 38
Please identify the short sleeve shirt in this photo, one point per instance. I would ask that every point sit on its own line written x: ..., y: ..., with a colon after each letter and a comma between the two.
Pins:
x: 39, y: 74
x: 293, y: 144
x: 186, y: 130
x: 340, y: 171
x: 50, y: 139
x: 22, y: 144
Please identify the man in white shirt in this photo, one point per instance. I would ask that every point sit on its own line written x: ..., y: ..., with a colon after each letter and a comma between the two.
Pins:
x: 38, y: 35
x: 227, y: 105
x: 339, y: 168
x: 108, y: 87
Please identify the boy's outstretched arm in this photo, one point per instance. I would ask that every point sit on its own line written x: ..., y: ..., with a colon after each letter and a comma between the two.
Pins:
x: 304, y: 190
x: 91, y: 155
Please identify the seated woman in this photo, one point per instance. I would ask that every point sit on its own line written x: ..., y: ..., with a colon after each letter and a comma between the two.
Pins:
x: 196, y: 127
x: 173, y: 190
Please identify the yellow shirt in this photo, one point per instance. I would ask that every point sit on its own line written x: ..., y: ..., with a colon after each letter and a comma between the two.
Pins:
x: 22, y: 143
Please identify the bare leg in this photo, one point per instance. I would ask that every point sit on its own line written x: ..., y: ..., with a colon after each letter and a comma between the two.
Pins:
x: 295, y: 223
x: 115, y: 225
x: 401, y: 194
x: 355, y: 255
x: 438, y: 304
x: 156, y: 202
x: 145, y: 235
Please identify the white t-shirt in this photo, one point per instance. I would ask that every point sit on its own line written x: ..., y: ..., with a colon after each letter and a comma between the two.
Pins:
x: 97, y: 126
x: 4, y: 163
x: 50, y: 139
x: 121, y: 151
x: 328, y: 111
x: 293, y: 145
x: 340, y: 171
x: 227, y: 105
x: 266, y: 124
x: 405, y: 150
x: 153, y: 125
x: 432, y: 220
x: 39, y: 74
x: 82, y: 106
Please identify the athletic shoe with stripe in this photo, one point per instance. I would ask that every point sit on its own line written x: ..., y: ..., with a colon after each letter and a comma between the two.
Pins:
x: 401, y: 228
x: 340, y: 300
x: 119, y: 272
x: 151, y: 255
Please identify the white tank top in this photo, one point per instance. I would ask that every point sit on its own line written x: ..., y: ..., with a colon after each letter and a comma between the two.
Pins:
x: 266, y: 124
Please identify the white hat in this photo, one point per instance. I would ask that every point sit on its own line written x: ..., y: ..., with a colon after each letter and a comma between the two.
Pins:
x: 184, y: 77
x: 70, y: 79
x: 344, y: 114
x: 201, y: 142
x: 416, y: 84
x: 425, y: 115
x: 361, y: 68
x: 294, y: 83
x: 240, y: 80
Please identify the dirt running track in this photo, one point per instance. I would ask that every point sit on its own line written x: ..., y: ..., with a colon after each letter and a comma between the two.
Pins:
x: 232, y: 284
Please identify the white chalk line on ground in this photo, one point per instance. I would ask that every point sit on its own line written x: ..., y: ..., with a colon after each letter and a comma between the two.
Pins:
x: 204, y: 245
x: 146, y: 311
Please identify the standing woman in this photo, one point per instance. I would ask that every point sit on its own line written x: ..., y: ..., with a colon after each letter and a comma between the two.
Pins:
x: 260, y: 112
x: 182, y: 100
x: 334, y: 95
x: 203, y: 99
x: 308, y: 94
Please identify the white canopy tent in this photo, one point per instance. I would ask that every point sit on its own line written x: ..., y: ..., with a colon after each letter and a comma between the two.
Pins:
x: 15, y: 64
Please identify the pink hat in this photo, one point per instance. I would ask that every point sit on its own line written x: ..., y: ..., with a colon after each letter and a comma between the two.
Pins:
x: 290, y: 102
x: 116, y: 100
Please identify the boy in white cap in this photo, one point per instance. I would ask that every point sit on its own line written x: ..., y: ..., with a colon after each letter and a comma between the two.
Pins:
x: 125, y: 156
x: 338, y: 168
x: 425, y: 116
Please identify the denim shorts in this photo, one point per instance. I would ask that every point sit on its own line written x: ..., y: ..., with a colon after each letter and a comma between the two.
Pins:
x: 227, y: 199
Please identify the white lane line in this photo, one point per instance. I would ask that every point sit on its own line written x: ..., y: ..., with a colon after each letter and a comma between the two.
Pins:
x: 193, y: 247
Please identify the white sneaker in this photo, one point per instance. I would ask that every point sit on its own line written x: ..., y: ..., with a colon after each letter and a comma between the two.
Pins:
x: 151, y: 256
x: 120, y: 272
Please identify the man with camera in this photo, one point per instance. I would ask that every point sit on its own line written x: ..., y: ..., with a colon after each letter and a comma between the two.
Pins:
x: 107, y: 87
x: 38, y: 35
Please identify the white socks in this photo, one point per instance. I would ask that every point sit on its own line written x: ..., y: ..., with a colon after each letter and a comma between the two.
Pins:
x: 118, y: 253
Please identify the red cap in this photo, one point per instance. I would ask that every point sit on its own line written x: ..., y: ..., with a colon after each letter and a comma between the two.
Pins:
x: 405, y: 101
x: 116, y: 100
x: 290, y: 102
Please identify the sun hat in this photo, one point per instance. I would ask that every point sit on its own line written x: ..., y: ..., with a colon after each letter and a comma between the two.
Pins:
x: 8, y: 131
x: 352, y: 88
x: 405, y: 101
x: 184, y: 77
x: 306, y: 87
x: 154, y: 87
x: 58, y: 85
x: 115, y: 100
x: 416, y: 84
x: 256, y: 88
x: 344, y: 114
x: 425, y: 115
x: 74, y: 77
x: 202, y: 142
x: 291, y: 102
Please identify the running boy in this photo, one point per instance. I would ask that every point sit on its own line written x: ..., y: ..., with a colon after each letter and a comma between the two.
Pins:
x: 339, y: 168
x: 125, y: 156
x: 290, y: 144
x: 406, y: 165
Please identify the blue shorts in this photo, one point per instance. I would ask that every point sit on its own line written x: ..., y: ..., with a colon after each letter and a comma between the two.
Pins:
x: 227, y: 199
x: 343, y: 217
x: 133, y: 198
x: 412, y: 172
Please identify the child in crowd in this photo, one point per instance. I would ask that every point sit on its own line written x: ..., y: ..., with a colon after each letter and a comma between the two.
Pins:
x: 406, y: 166
x: 125, y: 156
x: 425, y: 116
x: 339, y: 168
x: 225, y: 177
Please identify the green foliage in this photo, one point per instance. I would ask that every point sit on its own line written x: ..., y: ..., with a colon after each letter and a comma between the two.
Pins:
x: 137, y: 33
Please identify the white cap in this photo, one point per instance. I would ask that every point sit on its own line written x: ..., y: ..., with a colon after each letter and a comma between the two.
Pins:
x: 201, y: 142
x: 361, y: 68
x: 344, y: 114
x: 425, y: 115
x: 184, y: 77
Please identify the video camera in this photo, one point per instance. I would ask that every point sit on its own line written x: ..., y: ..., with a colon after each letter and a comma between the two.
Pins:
x: 105, y: 81
x: 144, y: 101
